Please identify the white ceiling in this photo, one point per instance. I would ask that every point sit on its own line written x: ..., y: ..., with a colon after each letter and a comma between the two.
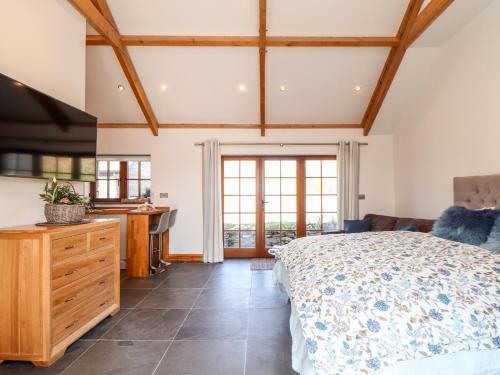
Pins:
x: 458, y: 14
x: 102, y: 98
x: 335, y: 17
x: 202, y: 82
x: 408, y: 88
x: 321, y: 83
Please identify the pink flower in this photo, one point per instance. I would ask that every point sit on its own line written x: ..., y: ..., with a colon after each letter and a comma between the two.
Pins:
x: 64, y: 200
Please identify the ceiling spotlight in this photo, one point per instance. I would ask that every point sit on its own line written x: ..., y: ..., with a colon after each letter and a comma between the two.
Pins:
x: 121, y: 87
x: 242, y: 87
x: 357, y: 88
x: 18, y: 84
x: 163, y: 87
x: 283, y: 88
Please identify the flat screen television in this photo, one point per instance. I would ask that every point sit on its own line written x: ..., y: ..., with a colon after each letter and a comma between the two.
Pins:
x: 42, y: 137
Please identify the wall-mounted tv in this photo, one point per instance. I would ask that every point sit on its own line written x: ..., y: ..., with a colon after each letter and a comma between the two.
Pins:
x: 42, y: 137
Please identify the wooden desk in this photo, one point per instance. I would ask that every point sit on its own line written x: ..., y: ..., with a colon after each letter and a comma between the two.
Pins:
x: 138, y: 223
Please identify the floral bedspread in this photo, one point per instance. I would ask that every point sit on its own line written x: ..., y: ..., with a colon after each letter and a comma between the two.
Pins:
x: 368, y: 300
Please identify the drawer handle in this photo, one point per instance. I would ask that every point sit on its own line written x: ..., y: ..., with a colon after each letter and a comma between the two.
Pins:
x: 102, y: 238
x: 102, y: 260
x: 102, y: 282
x: 104, y: 303
x: 69, y: 299
x: 71, y: 272
x: 71, y: 325
x: 69, y: 247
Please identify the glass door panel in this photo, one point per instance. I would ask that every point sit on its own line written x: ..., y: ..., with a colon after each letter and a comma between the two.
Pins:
x: 321, y: 195
x: 280, y: 201
x: 240, y: 206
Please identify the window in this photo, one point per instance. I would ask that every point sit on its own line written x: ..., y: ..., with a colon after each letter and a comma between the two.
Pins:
x: 269, y: 201
x: 122, y: 178
x: 138, y: 179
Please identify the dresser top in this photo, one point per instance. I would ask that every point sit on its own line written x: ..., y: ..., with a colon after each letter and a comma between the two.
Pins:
x: 94, y: 223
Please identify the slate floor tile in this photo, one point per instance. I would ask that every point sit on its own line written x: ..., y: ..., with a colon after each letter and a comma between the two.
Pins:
x: 130, y: 298
x: 170, y: 298
x: 120, y: 357
x: 26, y: 368
x: 269, y: 357
x: 185, y: 280
x: 215, y: 324
x: 268, y: 297
x: 148, y: 324
x: 99, y: 330
x: 271, y: 323
x: 223, y: 298
x: 203, y: 358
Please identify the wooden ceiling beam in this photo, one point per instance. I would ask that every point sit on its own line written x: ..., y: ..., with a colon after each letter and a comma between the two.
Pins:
x: 99, y: 15
x: 98, y: 21
x: 331, y: 41
x: 262, y: 63
x: 391, y: 65
x: 426, y: 17
x: 179, y: 40
x: 228, y: 126
x: 246, y: 41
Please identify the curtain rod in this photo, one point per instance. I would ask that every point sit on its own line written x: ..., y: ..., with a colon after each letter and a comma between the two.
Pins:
x: 278, y: 144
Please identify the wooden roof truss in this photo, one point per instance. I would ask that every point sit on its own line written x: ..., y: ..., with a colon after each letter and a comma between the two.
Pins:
x: 414, y: 23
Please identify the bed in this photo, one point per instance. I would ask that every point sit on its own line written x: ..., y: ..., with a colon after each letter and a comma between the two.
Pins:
x: 395, y: 302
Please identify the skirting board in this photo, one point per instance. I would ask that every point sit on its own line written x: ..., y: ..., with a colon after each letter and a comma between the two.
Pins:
x: 191, y: 258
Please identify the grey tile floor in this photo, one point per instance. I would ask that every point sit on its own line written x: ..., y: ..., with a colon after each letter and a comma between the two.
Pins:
x: 194, y: 319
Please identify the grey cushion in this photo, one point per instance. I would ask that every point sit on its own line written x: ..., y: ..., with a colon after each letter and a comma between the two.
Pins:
x: 493, y: 242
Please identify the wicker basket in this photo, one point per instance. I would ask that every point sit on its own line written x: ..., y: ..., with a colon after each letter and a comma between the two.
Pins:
x: 64, y: 213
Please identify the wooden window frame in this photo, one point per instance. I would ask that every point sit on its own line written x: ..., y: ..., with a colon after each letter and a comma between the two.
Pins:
x: 122, y: 183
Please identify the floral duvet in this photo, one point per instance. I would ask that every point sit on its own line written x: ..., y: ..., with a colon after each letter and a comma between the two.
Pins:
x: 369, y: 300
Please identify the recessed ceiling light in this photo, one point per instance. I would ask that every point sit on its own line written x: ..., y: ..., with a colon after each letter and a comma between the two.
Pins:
x: 242, y: 87
x: 283, y: 88
x: 18, y: 84
x: 163, y: 87
x: 357, y: 88
x: 121, y: 87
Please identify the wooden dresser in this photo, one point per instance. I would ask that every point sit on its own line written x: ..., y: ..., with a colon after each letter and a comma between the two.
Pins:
x: 56, y: 283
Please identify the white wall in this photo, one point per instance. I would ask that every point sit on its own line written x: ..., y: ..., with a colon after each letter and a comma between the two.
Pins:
x: 42, y: 44
x: 177, y: 167
x: 454, y: 130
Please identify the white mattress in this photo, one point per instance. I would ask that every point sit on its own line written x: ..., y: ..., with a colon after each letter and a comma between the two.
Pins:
x: 483, y: 362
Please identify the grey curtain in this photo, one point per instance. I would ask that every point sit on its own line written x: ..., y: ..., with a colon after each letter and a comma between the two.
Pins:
x: 213, y: 246
x: 347, y: 181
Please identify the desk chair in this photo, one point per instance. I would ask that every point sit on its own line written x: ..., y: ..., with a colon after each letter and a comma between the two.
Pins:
x: 167, y: 221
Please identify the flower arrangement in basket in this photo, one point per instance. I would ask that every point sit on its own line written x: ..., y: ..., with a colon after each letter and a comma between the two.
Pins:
x: 63, y: 204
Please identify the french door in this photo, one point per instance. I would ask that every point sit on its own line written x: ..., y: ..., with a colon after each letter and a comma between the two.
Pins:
x: 269, y: 201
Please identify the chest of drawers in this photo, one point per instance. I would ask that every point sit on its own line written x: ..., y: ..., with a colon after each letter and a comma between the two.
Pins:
x: 56, y: 283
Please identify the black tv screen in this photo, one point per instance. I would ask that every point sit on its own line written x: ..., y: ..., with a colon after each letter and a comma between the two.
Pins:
x: 42, y: 137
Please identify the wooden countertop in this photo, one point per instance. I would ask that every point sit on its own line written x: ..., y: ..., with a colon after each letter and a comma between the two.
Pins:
x: 127, y: 211
x: 54, y: 228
